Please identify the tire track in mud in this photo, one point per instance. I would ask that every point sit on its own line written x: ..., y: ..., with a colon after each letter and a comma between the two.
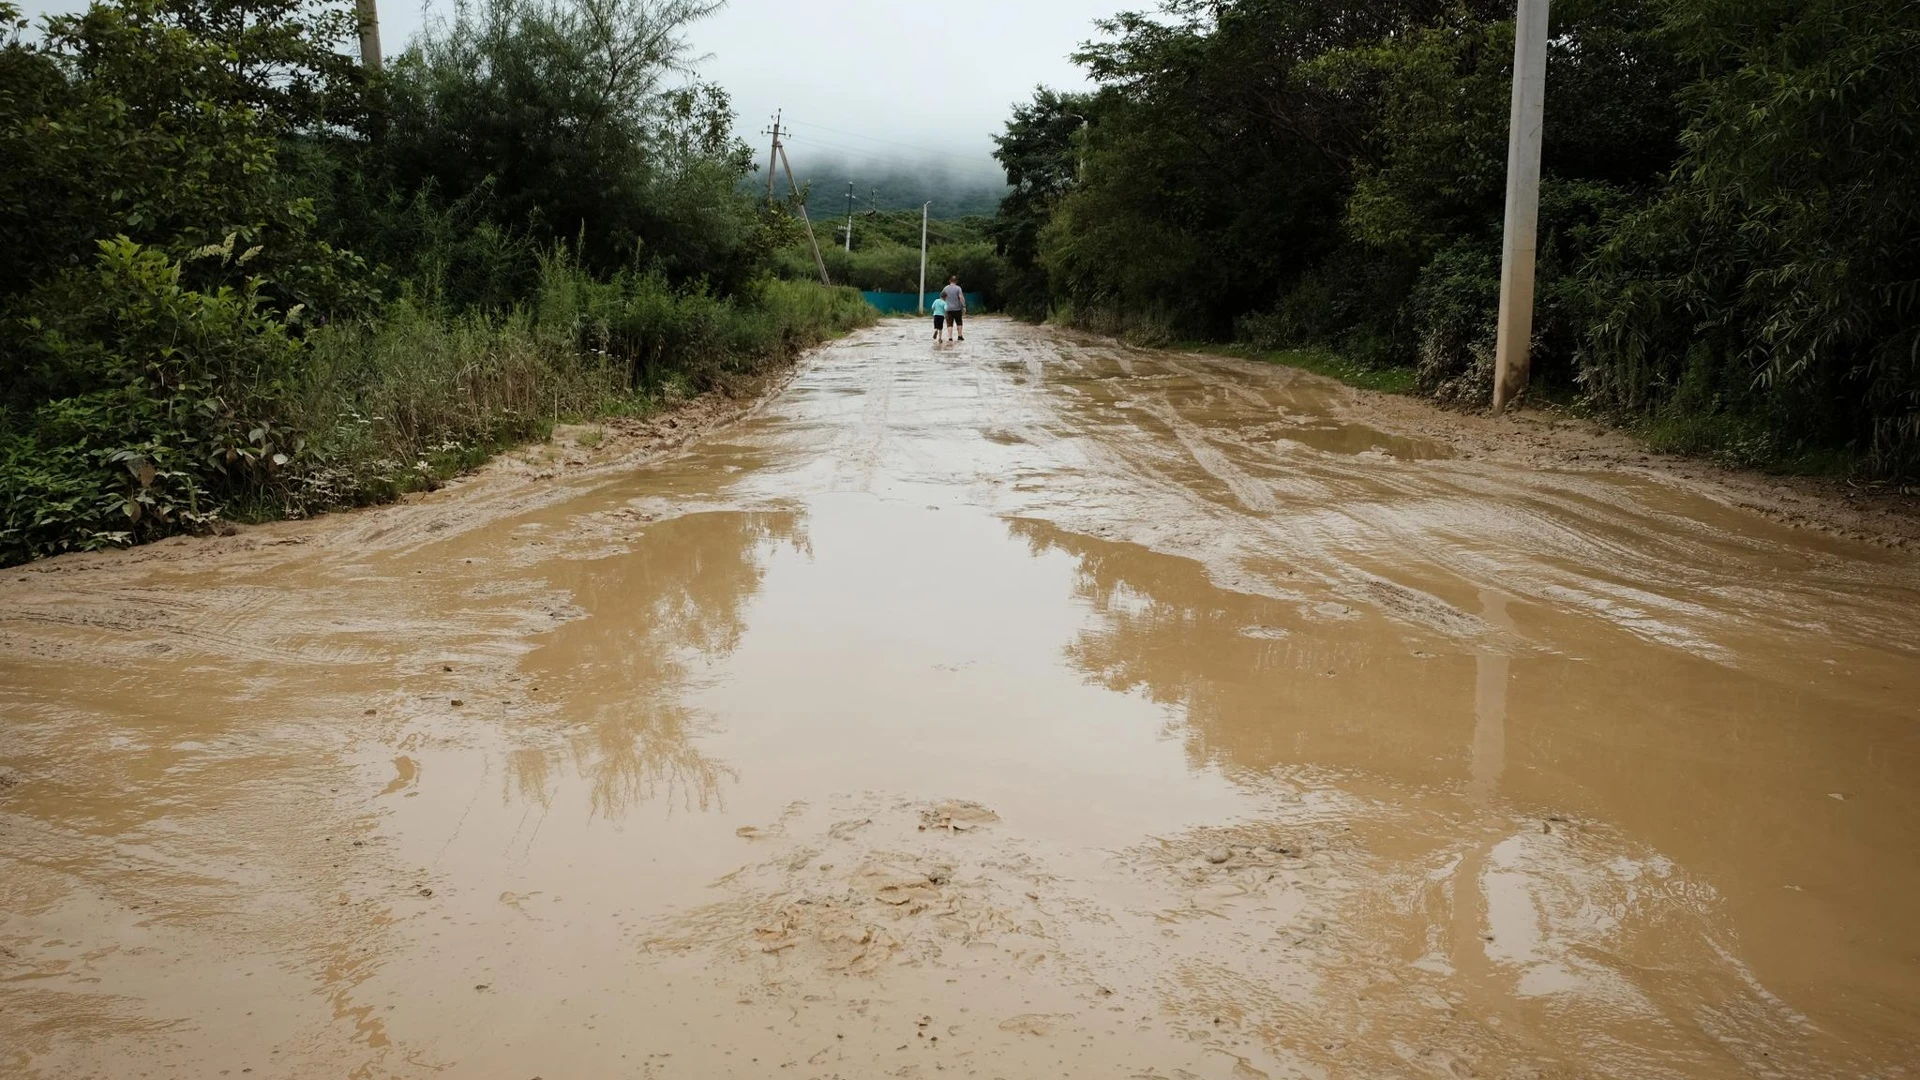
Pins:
x: 1246, y: 491
x: 857, y: 453
x: 1250, y: 513
x: 1565, y: 544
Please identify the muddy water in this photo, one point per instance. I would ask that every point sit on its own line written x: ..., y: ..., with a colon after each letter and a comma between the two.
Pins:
x: 1036, y: 708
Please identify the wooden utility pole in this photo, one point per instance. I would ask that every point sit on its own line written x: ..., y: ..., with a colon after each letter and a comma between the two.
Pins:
x: 369, y: 34
x: 1512, y: 357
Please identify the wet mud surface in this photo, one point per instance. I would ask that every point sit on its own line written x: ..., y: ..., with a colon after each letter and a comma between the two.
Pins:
x: 1035, y: 708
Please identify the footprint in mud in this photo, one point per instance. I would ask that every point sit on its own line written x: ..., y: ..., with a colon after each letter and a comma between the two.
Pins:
x: 843, y: 830
x: 1331, y: 610
x: 1288, y: 872
x: 1041, y: 1024
x: 1289, y: 927
x: 956, y: 817
x: 778, y: 828
x: 857, y: 922
x: 862, y: 893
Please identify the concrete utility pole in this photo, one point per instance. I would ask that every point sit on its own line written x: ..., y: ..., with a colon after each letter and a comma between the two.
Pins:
x: 1512, y: 357
x: 849, y: 217
x: 818, y: 262
x: 923, y: 256
x: 369, y: 35
x: 773, y: 156
x: 778, y: 156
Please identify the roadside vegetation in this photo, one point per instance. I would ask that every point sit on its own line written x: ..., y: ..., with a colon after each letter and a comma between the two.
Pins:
x: 886, y: 254
x: 1730, y: 220
x: 244, y: 279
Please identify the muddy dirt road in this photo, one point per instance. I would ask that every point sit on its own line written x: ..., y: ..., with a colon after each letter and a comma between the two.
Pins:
x: 1036, y: 708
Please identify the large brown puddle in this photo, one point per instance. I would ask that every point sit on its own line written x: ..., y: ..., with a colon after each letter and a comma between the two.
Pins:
x: 1032, y: 709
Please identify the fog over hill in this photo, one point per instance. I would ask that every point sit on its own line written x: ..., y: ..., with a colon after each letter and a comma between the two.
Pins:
x: 955, y: 189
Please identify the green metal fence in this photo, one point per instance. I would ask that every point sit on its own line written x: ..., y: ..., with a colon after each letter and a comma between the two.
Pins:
x: 906, y: 303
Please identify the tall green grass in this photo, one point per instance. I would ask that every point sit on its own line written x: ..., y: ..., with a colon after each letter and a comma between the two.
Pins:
x: 889, y: 267
x: 358, y: 412
x: 421, y: 393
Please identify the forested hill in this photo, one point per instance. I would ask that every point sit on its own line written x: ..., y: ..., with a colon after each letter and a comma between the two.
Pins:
x: 1730, y: 245
x: 954, y: 192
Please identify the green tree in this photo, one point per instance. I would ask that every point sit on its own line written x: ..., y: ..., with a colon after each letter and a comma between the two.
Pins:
x: 1212, y: 179
x: 1428, y: 194
x: 126, y: 121
x: 559, y: 111
x: 1039, y: 153
x: 1778, y: 276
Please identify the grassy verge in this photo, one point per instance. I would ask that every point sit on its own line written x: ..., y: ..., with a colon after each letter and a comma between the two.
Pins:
x: 416, y: 398
x: 1741, y: 443
x: 1725, y: 439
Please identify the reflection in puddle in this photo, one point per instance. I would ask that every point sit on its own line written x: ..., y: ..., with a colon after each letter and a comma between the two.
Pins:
x: 1490, y: 705
x: 658, y: 620
x: 1354, y: 439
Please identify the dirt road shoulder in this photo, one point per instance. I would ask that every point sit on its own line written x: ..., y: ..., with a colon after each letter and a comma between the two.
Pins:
x: 1541, y: 439
x: 514, y: 481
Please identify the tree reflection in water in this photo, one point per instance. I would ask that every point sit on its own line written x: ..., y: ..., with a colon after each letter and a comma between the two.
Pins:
x: 1257, y: 682
x: 660, y: 617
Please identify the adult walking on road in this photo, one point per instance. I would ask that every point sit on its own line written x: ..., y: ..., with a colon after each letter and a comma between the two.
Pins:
x: 956, y: 299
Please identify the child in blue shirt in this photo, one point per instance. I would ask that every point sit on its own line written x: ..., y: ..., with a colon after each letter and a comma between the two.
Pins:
x: 939, y: 318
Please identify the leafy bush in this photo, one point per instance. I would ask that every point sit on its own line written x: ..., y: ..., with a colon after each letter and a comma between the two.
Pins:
x: 886, y: 256
x: 158, y: 403
x: 132, y: 119
x: 894, y: 268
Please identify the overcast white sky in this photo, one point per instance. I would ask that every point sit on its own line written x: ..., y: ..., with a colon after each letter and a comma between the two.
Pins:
x: 875, y: 80
x: 887, y: 79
